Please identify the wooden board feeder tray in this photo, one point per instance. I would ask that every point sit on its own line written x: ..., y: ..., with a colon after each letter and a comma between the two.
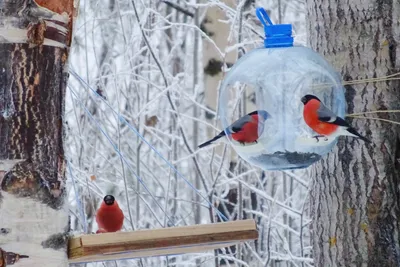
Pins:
x: 160, y: 242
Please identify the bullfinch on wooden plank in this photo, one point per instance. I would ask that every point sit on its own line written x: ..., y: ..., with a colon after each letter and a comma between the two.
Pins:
x: 109, y: 216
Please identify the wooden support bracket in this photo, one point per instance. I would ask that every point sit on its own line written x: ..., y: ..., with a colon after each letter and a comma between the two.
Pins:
x: 160, y: 242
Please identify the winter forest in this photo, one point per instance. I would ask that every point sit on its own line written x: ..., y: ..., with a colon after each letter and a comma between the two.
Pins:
x: 138, y: 88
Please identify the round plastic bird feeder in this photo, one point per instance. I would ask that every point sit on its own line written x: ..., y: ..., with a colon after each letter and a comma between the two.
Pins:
x: 274, y: 78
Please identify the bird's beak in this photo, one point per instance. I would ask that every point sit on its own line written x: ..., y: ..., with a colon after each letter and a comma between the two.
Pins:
x: 303, y: 99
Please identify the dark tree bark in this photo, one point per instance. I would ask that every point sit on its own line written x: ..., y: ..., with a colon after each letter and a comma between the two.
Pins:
x: 355, y: 192
x: 34, y: 41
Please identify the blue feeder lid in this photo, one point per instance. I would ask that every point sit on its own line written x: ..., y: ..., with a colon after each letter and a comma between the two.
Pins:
x: 279, y: 35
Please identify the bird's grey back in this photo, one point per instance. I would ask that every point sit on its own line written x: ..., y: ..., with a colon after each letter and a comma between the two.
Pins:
x: 326, y: 114
x: 237, y: 125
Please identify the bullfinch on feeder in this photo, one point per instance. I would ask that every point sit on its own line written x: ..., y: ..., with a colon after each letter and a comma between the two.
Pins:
x: 245, y: 130
x: 109, y: 216
x: 323, y: 121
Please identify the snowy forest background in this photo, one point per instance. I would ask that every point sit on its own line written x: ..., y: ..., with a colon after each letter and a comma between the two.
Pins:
x: 162, y: 86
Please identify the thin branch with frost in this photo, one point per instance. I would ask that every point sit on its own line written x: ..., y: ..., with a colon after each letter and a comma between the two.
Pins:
x: 124, y: 159
x: 169, y: 97
x: 265, y: 196
x: 178, y: 8
x: 297, y: 178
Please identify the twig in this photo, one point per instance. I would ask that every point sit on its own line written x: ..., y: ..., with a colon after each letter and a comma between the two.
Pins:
x: 269, y: 237
x: 197, y: 216
x: 178, y: 8
x: 297, y: 179
x: 168, y: 93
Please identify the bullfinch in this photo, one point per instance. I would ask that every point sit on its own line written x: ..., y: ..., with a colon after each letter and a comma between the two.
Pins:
x: 245, y: 129
x: 109, y: 216
x: 323, y: 121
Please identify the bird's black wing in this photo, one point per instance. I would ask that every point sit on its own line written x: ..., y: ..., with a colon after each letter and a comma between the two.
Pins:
x: 341, y: 122
x: 326, y: 115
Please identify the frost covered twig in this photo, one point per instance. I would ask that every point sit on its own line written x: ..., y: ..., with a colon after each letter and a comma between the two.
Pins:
x: 179, y: 8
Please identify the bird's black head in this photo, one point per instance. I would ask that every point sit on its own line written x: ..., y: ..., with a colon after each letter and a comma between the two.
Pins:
x: 261, y: 113
x: 109, y: 200
x: 307, y: 98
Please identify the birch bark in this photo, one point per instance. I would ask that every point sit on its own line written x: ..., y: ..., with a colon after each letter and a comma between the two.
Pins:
x: 34, y: 41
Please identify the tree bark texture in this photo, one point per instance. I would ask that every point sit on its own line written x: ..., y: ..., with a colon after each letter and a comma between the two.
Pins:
x: 35, y: 36
x: 355, y: 191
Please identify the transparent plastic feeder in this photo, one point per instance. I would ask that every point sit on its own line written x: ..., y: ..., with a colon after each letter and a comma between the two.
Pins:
x: 279, y: 75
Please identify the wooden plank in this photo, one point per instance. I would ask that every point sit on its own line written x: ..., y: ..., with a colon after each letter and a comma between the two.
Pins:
x: 159, y: 242
x: 150, y: 253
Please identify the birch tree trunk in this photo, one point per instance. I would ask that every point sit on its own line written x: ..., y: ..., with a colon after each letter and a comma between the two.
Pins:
x: 355, y: 191
x: 34, y: 42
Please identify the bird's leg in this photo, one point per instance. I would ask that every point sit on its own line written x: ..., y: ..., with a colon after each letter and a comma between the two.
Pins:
x: 320, y: 136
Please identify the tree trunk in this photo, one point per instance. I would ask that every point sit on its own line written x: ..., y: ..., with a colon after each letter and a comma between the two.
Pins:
x: 34, y: 42
x: 355, y: 191
x: 212, y: 76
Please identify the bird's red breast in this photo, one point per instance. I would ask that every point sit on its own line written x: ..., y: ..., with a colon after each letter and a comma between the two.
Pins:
x: 249, y: 131
x: 310, y: 114
x: 109, y: 218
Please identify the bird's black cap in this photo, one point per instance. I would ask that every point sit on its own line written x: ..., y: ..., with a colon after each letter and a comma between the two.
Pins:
x: 307, y: 98
x: 261, y: 112
x: 109, y: 200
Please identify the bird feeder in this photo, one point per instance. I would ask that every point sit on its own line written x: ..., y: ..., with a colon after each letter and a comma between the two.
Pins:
x: 277, y: 76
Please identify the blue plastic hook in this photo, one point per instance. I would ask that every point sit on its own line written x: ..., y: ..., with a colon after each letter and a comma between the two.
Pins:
x: 263, y: 16
x: 279, y: 35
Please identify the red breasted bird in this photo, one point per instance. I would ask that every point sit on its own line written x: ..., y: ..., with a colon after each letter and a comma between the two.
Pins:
x: 245, y: 129
x: 323, y: 121
x: 109, y: 216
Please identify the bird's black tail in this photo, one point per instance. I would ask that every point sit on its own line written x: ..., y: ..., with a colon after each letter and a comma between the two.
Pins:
x: 353, y: 131
x: 209, y: 142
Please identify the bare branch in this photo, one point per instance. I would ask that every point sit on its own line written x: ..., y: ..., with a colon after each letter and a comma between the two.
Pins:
x: 178, y: 8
